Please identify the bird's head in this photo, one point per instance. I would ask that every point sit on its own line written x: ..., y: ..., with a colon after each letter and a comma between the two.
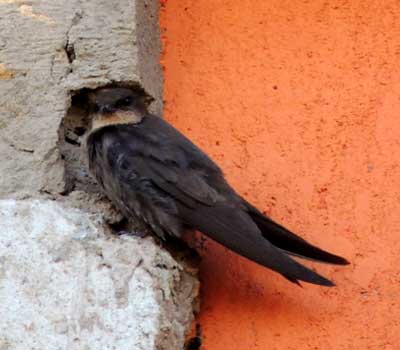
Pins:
x: 111, y: 100
x: 117, y: 106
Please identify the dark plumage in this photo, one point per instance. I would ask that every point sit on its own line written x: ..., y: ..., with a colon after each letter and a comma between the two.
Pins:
x: 153, y: 172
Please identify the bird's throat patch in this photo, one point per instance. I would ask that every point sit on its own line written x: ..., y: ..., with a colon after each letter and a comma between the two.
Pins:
x: 119, y: 117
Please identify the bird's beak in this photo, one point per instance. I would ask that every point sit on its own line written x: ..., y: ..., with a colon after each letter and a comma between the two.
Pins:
x: 106, y: 109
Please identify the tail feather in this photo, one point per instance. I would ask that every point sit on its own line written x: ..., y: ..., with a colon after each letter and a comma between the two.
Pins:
x: 235, y: 230
x: 289, y: 242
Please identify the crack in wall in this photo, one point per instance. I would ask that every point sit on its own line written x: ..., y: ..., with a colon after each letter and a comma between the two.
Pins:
x: 69, y: 46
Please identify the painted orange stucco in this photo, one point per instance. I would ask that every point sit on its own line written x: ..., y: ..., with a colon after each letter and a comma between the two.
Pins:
x: 299, y: 103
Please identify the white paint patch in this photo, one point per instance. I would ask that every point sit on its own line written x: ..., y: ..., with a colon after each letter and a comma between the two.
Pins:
x: 12, y: 1
x: 27, y: 11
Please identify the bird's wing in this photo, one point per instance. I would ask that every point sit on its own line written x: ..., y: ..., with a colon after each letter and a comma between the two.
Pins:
x: 186, y: 185
x: 171, y: 161
x: 205, y: 204
x: 193, y: 192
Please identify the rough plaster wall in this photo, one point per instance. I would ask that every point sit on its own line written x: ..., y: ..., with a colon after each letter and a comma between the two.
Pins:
x: 49, y: 51
x: 66, y: 284
x: 50, y: 48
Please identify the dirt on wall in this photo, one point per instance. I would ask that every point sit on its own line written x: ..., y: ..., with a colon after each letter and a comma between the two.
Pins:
x: 298, y: 101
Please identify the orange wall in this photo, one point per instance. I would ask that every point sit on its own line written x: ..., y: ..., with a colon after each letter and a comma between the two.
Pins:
x: 299, y: 102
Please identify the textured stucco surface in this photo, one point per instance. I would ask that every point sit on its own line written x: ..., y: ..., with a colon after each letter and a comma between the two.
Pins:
x: 299, y: 102
x: 66, y: 284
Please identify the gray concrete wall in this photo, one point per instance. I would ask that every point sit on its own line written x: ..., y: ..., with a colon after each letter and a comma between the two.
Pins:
x: 49, y: 51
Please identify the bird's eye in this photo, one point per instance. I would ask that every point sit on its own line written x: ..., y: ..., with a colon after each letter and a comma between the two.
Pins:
x: 126, y: 101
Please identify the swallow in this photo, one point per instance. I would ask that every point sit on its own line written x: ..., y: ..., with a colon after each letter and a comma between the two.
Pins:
x: 153, y: 173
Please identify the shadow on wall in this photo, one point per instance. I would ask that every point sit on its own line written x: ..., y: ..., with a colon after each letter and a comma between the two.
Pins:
x: 71, y: 140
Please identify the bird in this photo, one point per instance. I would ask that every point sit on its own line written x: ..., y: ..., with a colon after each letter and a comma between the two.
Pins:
x: 153, y: 173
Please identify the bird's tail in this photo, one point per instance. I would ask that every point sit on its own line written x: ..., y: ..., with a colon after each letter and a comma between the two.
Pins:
x: 236, y: 230
x: 289, y: 242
